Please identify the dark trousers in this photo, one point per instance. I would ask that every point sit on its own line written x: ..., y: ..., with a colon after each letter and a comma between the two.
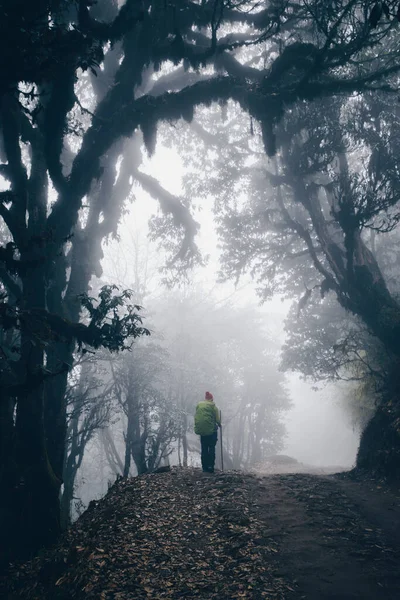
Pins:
x: 208, y: 443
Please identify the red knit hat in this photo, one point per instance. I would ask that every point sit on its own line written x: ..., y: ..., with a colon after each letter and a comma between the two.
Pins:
x: 209, y: 396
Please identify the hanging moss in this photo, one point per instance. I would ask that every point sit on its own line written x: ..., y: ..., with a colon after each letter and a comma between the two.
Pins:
x: 188, y: 113
x: 268, y: 137
x: 149, y: 131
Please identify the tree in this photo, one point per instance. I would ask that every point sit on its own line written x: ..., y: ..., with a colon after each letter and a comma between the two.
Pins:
x: 152, y: 420
x: 89, y: 409
x: 194, y: 327
x: 30, y: 497
x: 257, y: 396
x: 198, y: 343
x: 339, y: 212
x: 213, y: 345
x: 325, y: 343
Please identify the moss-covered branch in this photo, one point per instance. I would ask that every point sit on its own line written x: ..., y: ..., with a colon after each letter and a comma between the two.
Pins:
x: 172, y: 205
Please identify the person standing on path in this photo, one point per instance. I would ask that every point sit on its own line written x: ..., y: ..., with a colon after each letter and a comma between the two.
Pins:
x: 206, y: 423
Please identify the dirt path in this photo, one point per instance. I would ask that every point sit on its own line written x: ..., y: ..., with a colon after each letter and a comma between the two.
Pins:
x: 337, y: 539
x: 229, y: 536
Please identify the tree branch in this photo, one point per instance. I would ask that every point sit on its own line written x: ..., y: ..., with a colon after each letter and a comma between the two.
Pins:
x: 146, y: 111
x: 170, y: 204
x: 305, y: 235
x: 53, y: 121
x: 129, y: 15
x: 102, y: 135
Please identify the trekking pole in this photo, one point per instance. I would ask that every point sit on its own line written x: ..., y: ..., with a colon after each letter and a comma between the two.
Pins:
x: 222, y: 451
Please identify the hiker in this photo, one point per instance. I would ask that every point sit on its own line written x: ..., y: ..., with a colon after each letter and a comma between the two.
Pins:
x: 206, y: 423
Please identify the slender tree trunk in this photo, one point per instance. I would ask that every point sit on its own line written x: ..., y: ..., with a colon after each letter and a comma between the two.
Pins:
x: 179, y: 450
x: 68, y: 491
x: 128, y: 447
x: 258, y: 427
x: 60, y: 360
x: 153, y: 458
x: 112, y: 455
x: 238, y: 443
x: 184, y: 439
x: 70, y: 470
x: 137, y: 435
x: 139, y: 453
x: 158, y: 447
x: 248, y: 441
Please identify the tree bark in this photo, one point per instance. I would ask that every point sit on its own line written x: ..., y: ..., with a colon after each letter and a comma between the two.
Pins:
x: 59, y: 360
x: 139, y: 453
x: 38, y: 518
x: 179, y: 450
x: 113, y: 458
x: 69, y: 472
x: 8, y: 475
x: 137, y: 433
x: 69, y: 485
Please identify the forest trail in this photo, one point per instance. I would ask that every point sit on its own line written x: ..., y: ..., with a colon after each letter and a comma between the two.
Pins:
x: 185, y: 534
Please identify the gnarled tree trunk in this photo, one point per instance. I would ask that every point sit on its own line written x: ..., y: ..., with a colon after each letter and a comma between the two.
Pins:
x: 38, y: 514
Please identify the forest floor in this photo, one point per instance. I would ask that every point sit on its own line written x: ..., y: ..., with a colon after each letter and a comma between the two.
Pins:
x: 185, y: 534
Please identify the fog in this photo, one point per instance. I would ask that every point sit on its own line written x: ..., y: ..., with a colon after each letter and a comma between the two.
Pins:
x: 319, y: 431
x: 315, y: 426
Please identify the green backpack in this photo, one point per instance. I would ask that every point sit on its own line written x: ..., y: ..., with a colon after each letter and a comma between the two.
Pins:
x: 206, y: 418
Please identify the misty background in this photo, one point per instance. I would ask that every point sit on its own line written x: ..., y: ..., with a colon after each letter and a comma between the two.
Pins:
x: 319, y: 430
x: 319, y: 426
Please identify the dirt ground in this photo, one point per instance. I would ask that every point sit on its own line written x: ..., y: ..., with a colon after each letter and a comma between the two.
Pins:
x: 185, y: 534
x: 338, y: 539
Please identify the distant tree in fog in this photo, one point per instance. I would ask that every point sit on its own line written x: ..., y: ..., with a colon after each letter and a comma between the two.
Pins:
x: 142, y: 391
x: 214, y: 345
x: 89, y: 410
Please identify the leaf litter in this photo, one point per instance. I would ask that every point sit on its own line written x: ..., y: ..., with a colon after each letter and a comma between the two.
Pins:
x: 182, y: 534
x: 231, y: 535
